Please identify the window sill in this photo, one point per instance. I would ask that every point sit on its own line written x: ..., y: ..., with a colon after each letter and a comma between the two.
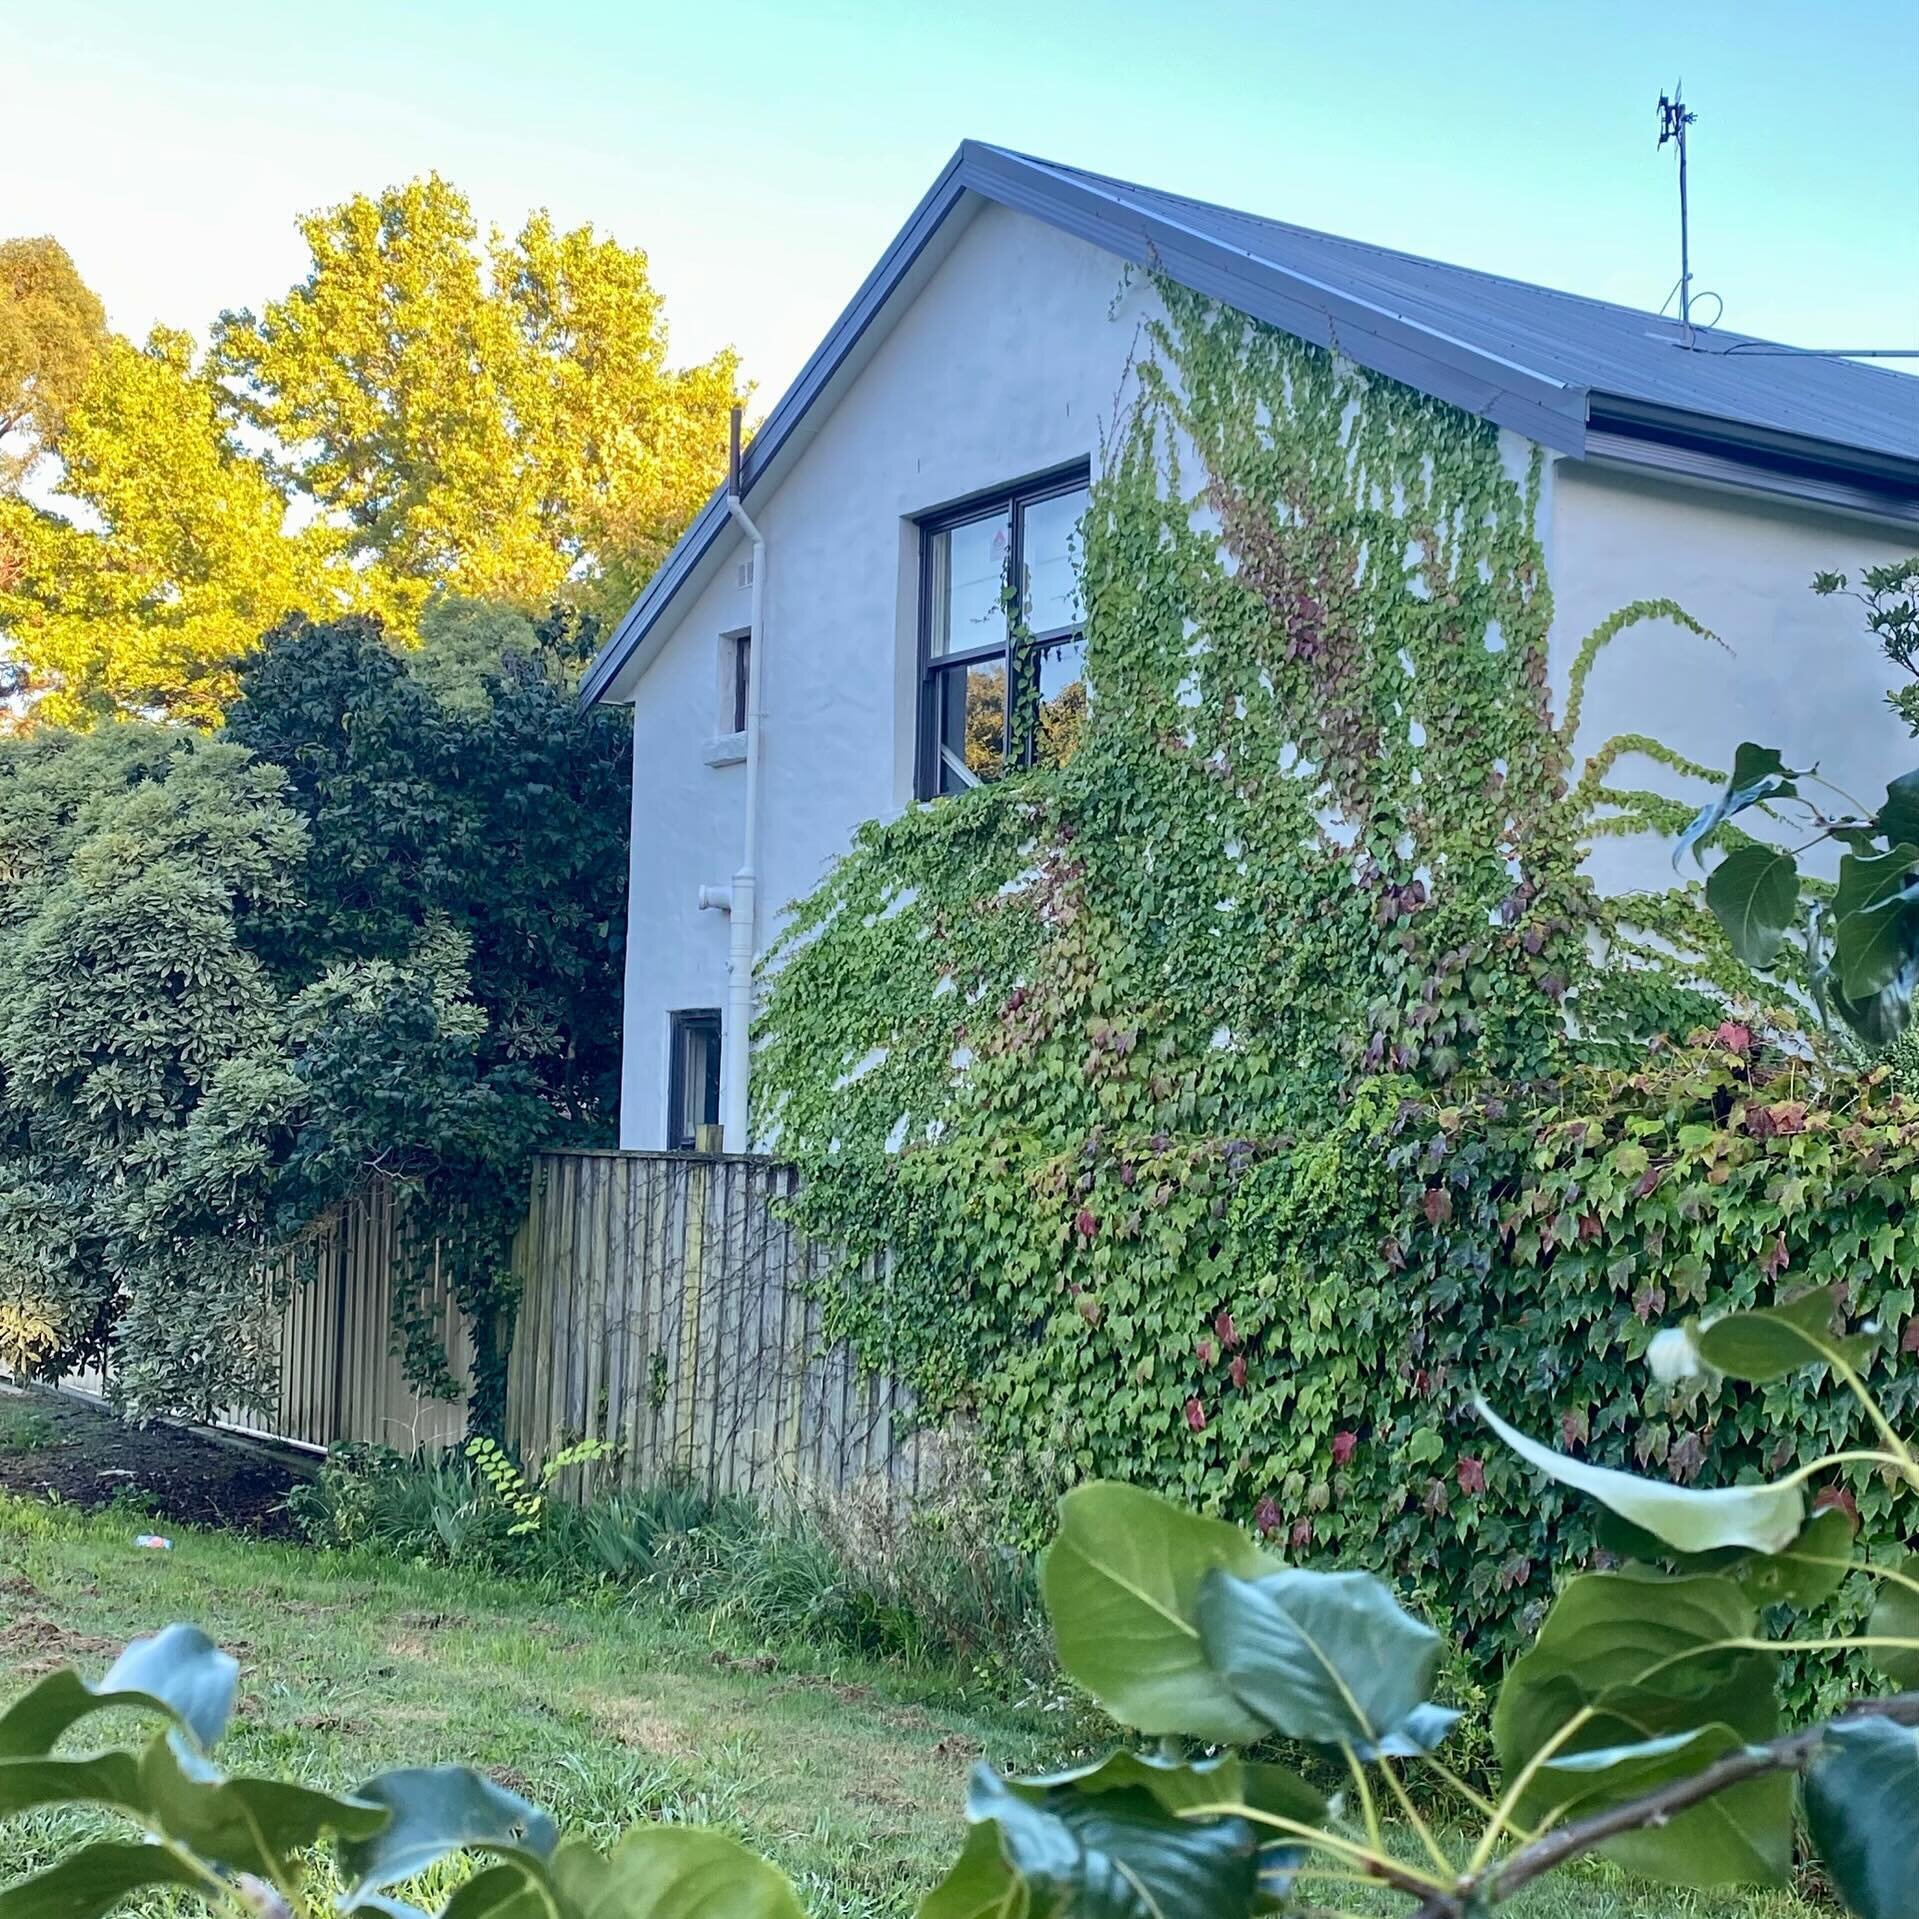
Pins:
x: 726, y: 749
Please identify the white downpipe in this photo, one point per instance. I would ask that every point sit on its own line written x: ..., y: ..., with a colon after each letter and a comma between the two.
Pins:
x: 743, y: 917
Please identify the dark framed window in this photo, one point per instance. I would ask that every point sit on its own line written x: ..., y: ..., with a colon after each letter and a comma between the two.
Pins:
x: 1002, y: 634
x: 693, y: 1078
x: 742, y: 649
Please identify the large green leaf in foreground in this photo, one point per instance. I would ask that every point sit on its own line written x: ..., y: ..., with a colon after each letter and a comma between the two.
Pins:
x: 1121, y: 1583
x: 1766, y: 1519
x: 1862, y: 1806
x: 1653, y: 1679
x: 1327, y: 1657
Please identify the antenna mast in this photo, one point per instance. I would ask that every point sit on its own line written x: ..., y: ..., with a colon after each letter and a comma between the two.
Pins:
x: 1674, y: 118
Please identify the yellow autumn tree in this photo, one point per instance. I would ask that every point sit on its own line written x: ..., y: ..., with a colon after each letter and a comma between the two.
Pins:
x: 427, y: 413
x: 498, y: 420
x: 164, y: 554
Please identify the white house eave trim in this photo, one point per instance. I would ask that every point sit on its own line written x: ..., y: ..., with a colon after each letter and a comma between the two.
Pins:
x: 1721, y: 473
x: 1548, y: 412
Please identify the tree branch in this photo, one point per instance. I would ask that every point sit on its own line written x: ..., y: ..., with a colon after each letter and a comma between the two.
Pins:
x: 1793, y: 1753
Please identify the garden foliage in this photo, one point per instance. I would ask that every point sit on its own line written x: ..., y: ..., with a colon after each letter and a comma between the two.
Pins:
x: 428, y: 412
x: 1235, y: 1097
x: 1641, y: 1722
x: 374, y: 925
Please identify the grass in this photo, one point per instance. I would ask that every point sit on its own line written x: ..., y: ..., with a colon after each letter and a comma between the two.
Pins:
x: 609, y: 1712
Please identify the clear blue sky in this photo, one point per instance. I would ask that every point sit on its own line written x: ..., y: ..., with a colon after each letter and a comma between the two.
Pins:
x: 764, y: 153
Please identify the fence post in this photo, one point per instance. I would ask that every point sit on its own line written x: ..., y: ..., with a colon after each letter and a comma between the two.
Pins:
x: 693, y: 1257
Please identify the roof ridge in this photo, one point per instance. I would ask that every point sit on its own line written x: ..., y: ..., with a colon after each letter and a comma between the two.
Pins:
x: 1346, y: 240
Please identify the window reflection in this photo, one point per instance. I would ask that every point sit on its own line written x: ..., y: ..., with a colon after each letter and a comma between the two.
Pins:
x: 1001, y: 693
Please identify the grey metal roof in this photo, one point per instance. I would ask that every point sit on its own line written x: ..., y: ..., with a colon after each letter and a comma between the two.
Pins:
x: 1579, y: 375
x: 1614, y: 352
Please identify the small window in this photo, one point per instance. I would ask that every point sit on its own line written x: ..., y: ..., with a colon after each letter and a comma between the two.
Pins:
x: 693, y: 1088
x: 742, y: 645
x: 1002, y: 635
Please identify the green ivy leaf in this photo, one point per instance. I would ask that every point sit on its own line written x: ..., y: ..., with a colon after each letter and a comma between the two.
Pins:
x: 1895, y: 1615
x: 1327, y: 1657
x: 1121, y: 1583
x: 1768, y: 1343
x: 1754, y: 895
x: 179, y: 1673
x: 1765, y: 1518
x: 1862, y: 1808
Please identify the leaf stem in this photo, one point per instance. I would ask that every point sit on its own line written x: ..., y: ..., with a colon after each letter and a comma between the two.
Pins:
x: 1381, y: 1866
x: 1434, y: 1850
x: 1510, y: 1798
x: 1366, y: 1802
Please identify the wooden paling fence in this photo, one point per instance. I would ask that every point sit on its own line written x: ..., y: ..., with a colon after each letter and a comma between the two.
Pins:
x: 339, y: 1376
x: 665, y: 1310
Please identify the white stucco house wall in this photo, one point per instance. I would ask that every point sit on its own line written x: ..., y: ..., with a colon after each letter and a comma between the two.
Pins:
x: 969, y: 381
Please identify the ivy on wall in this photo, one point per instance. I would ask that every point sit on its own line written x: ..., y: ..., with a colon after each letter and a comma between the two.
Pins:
x: 1131, y: 1062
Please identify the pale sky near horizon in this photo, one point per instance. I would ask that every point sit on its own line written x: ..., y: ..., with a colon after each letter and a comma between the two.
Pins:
x: 765, y: 154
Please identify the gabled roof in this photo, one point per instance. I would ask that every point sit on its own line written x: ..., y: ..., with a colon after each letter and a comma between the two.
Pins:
x: 1585, y: 377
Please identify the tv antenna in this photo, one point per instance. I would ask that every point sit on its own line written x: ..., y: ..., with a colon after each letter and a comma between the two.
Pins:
x: 1674, y: 118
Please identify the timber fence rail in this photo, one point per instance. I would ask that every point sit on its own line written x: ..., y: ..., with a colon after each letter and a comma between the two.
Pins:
x: 666, y: 1311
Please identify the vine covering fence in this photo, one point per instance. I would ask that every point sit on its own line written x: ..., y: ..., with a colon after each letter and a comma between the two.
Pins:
x: 339, y: 1376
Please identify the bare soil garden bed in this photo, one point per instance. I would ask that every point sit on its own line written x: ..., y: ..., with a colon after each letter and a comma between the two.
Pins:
x: 57, y: 1446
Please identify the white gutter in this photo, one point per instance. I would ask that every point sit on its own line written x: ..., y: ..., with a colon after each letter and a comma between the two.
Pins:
x: 742, y: 905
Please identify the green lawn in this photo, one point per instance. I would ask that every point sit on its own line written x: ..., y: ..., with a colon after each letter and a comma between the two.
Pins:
x: 608, y: 1713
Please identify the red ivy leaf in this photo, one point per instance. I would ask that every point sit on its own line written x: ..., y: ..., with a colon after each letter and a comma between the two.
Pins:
x: 1266, y: 1516
x: 1196, y: 1415
x: 1471, y: 1474
x: 1840, y: 1497
x: 1437, y: 1204
x: 1909, y: 1339
x: 1302, y: 1534
x: 1344, y: 1446
x: 1734, y: 1036
x: 1776, y: 1260
x: 1203, y: 1351
x: 1224, y: 1327
x: 1237, y: 1371
x: 1087, y: 1222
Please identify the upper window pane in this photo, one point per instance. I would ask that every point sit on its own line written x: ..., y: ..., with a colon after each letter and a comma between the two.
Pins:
x: 1049, y: 541
x: 967, y: 568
